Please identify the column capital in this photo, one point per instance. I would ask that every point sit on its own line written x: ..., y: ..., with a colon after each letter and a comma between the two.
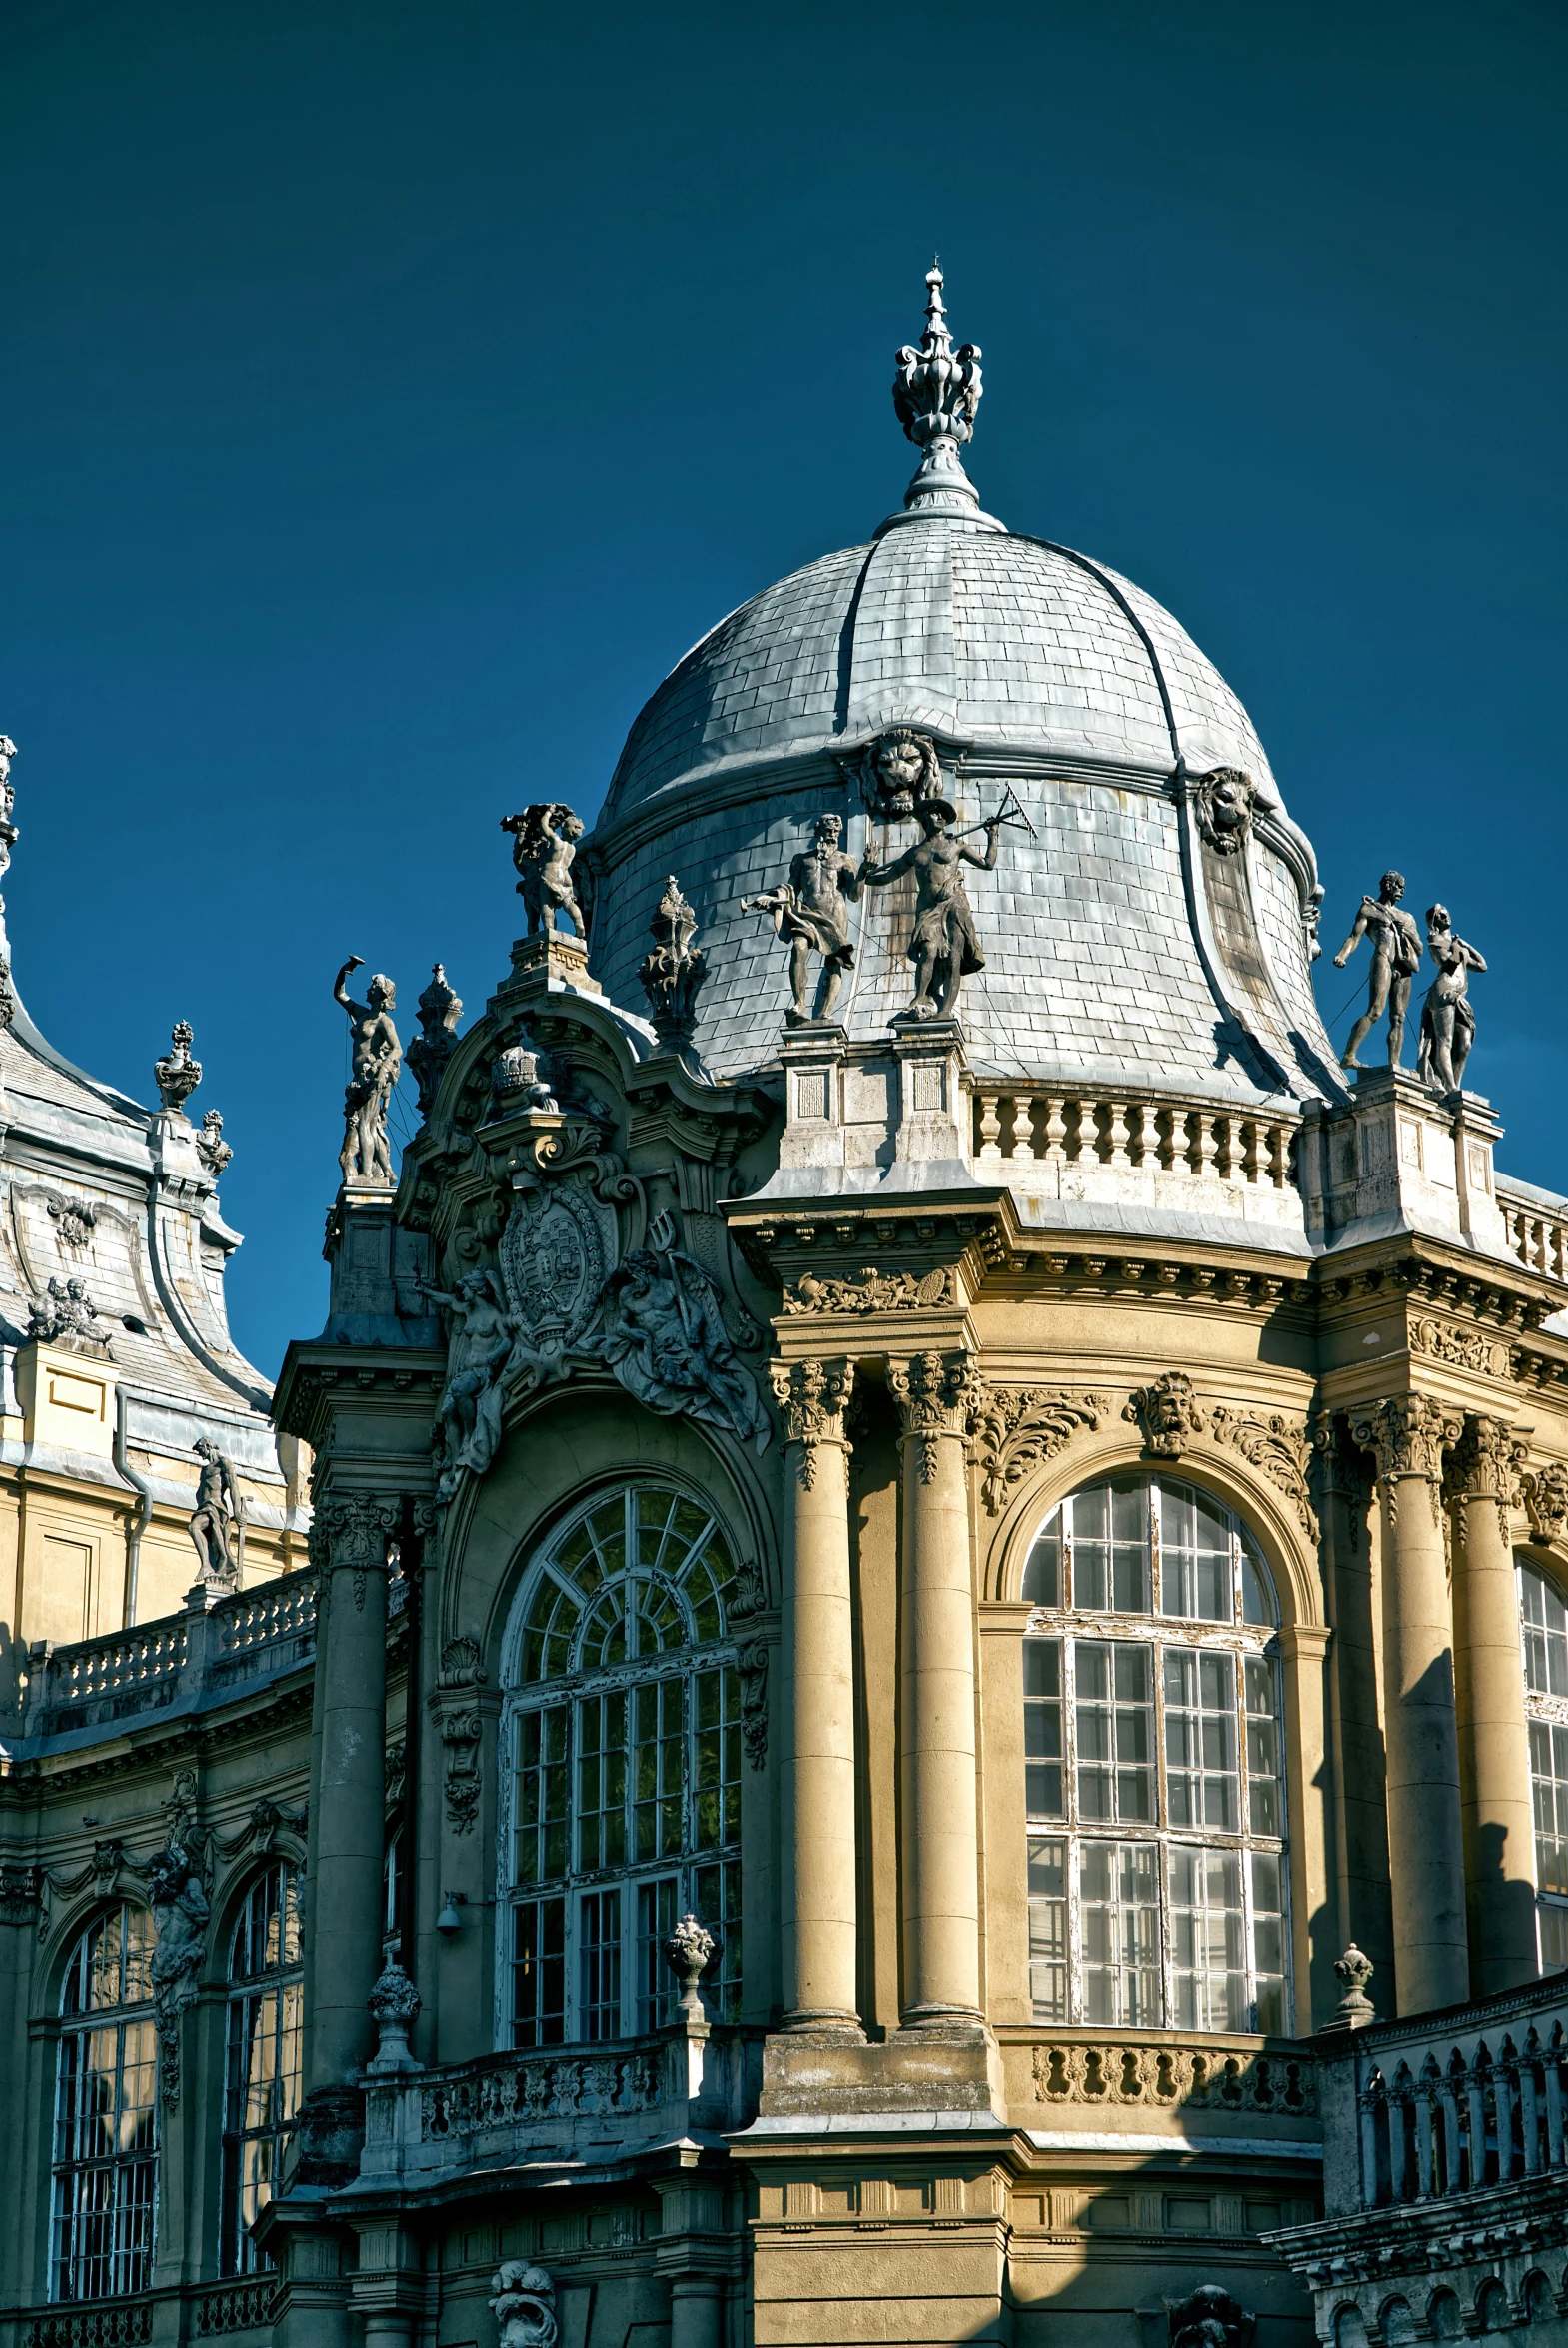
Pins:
x: 1407, y: 1434
x: 934, y: 1393
x: 355, y: 1528
x: 812, y: 1395
x: 1485, y: 1462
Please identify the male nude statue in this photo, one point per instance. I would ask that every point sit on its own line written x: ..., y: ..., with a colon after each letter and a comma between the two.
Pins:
x: 217, y: 1507
x: 544, y: 850
x: 377, y: 1060
x: 943, y: 945
x: 1447, y: 1015
x: 811, y: 909
x: 1396, y: 949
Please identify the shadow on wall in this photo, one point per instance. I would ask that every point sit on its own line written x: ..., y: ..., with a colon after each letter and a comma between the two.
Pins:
x: 1506, y: 1901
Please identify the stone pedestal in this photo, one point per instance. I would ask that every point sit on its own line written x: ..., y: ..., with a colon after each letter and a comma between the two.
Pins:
x: 551, y: 958
x: 377, y: 1268
x: 931, y: 1101
x: 1404, y: 1157
x: 813, y: 1109
x: 1408, y: 1435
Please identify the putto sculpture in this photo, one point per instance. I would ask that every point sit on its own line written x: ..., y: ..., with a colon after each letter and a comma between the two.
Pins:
x: 66, y: 1313
x: 217, y: 1512
x: 810, y: 912
x: 544, y: 850
x: 1447, y: 1018
x: 1396, y: 950
x: 377, y: 1062
x: 428, y: 1054
x: 177, y: 1074
x: 675, y: 968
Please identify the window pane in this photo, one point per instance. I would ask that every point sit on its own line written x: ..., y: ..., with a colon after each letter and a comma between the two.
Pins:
x: 1048, y: 1930
x: 1545, y: 1621
x: 1552, y: 1919
x: 1042, y: 1727
x: 599, y: 1964
x: 1263, y: 1803
x: 1116, y: 1731
x: 1208, y: 1963
x: 1268, y: 1943
x: 715, y: 1900
x: 1549, y: 1779
x: 106, y: 2115
x: 1201, y: 1780
x: 656, y: 1920
x: 539, y: 1972
x: 1195, y: 1556
x: 1120, y: 1911
x: 1043, y: 1573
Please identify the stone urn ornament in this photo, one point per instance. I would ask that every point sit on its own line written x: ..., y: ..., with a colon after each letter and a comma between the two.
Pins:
x: 393, y: 2007
x: 689, y: 1952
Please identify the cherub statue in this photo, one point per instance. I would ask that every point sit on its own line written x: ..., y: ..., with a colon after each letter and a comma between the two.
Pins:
x: 378, y: 1061
x: 217, y: 1510
x: 810, y: 911
x: 1447, y: 1018
x: 943, y: 945
x: 1396, y: 950
x: 543, y: 847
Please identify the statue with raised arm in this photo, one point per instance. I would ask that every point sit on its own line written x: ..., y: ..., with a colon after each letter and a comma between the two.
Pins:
x: 810, y: 911
x: 943, y: 945
x: 1396, y: 950
x: 1447, y: 1018
x: 484, y: 1342
x: 377, y: 1062
x: 217, y: 1510
x: 544, y: 848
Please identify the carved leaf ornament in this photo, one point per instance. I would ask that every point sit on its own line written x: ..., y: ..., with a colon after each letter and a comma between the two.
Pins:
x: 1015, y: 1430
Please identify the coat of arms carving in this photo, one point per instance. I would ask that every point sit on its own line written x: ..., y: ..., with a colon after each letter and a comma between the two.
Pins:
x: 555, y: 1254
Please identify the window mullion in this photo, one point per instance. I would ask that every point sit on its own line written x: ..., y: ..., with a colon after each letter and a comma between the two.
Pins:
x: 1070, y: 1809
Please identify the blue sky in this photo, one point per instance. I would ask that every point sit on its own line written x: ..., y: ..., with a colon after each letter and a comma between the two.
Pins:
x: 390, y: 394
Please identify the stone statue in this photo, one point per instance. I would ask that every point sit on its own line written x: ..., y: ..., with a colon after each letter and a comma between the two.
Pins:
x: 1210, y: 2319
x: 943, y: 945
x: 218, y: 1509
x: 1447, y: 1018
x: 215, y: 1152
x: 897, y: 769
x: 515, y: 1083
x: 810, y: 911
x: 438, y: 1013
x: 1396, y: 949
x: 523, y: 2305
x: 177, y: 1074
x: 543, y: 847
x: 378, y: 1061
x: 675, y: 968
x: 667, y: 1342
x: 484, y: 1339
x: 180, y: 1916
x: 1222, y: 800
x: 67, y: 1311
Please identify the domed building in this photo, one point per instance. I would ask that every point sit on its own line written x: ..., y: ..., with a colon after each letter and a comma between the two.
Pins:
x: 941, y: 1581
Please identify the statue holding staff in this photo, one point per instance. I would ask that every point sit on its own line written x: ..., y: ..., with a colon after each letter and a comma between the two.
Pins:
x: 810, y: 911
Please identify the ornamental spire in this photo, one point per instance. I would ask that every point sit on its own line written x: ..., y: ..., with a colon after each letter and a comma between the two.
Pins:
x: 936, y: 392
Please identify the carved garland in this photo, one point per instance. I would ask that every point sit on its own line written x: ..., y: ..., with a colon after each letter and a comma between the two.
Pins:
x: 462, y: 1673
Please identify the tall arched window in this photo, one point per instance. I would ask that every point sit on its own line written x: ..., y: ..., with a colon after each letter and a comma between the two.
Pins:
x: 1157, y: 1881
x: 1543, y: 1622
x: 106, y: 2114
x: 624, y: 1727
x: 262, y: 2086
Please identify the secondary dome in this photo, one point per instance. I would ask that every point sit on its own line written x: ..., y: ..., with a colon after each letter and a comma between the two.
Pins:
x: 1111, y: 946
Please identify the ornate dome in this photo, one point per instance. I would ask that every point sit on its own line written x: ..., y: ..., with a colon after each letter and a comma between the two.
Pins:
x: 1117, y: 945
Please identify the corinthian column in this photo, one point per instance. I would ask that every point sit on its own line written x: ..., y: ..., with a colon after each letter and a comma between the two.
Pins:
x: 941, y: 1942
x: 819, y: 1724
x: 349, y: 1799
x: 1408, y: 1435
x: 1494, y: 1741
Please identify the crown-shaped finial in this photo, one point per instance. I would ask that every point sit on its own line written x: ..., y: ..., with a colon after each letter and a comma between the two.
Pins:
x: 936, y: 392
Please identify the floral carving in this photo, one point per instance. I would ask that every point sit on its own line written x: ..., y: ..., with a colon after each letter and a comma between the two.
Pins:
x: 870, y: 1291
x: 429, y: 1051
x: 358, y: 1526
x: 211, y: 1147
x: 1546, y: 1500
x: 1485, y: 1465
x: 462, y: 1673
x: 1462, y: 1349
x: 393, y: 2005
x: 934, y: 1393
x: 74, y: 1219
x: 812, y: 1397
x: 1014, y: 1429
x: 1169, y: 1412
x: 751, y: 1663
x: 689, y: 1951
x: 1276, y: 1445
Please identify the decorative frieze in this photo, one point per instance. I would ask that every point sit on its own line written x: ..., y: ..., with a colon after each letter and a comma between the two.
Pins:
x: 1015, y: 1430
x: 870, y: 1291
x: 813, y: 1397
x: 934, y: 1393
x: 1169, y: 1414
x: 524, y: 2087
x: 1162, y: 2078
x: 1276, y: 1445
x: 1461, y: 1348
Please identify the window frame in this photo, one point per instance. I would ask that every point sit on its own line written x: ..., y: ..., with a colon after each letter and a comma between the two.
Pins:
x: 135, y: 2174
x: 550, y: 1911
x: 1239, y: 1643
x: 238, y: 2254
x: 1545, y: 1712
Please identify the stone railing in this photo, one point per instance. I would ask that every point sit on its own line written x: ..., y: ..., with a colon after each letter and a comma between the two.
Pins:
x: 1035, y: 1132
x: 1170, y: 2076
x: 110, y: 2323
x: 237, y: 2307
x: 214, y: 2311
x: 531, y: 2087
x: 181, y: 1659
x: 1537, y: 1229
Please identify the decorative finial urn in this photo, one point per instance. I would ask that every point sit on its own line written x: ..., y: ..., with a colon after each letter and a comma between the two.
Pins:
x: 177, y: 1074
x: 936, y: 392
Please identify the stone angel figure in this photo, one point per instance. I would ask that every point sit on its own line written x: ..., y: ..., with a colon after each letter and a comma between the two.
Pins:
x: 544, y: 850
x: 665, y: 1340
x: 486, y: 1344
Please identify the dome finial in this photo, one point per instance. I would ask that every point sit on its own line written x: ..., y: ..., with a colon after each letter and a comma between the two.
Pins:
x: 936, y: 392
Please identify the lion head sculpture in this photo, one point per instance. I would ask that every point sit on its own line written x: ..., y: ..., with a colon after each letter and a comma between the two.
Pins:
x: 1222, y: 800
x: 900, y: 770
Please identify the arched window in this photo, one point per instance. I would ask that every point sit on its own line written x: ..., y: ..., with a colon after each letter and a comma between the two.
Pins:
x: 1543, y: 1622
x: 262, y: 2087
x: 106, y: 2114
x: 1158, y: 1883
x: 624, y: 1729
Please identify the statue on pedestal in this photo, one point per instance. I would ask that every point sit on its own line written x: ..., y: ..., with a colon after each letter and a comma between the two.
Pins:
x: 1447, y: 1018
x: 544, y: 848
x: 810, y: 911
x: 1396, y: 950
x: 215, y: 1514
x: 378, y: 1061
x: 943, y: 945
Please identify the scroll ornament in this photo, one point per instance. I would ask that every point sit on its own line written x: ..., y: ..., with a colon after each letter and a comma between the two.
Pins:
x: 1275, y: 1446
x: 1015, y: 1430
x: 461, y: 1674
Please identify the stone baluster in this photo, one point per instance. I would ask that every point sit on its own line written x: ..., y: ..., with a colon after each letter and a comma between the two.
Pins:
x: 1425, y: 2162
x: 1494, y: 1736
x: 1117, y: 1132
x: 1147, y: 1149
x: 941, y: 1844
x: 1173, y: 1148
x: 1022, y: 1128
x: 990, y: 1124
x: 1203, y: 1143
x: 1449, y: 2104
x: 1408, y: 1434
x: 1529, y: 2111
x: 817, y: 1661
x: 1280, y: 1156
x: 1475, y: 2097
x: 1055, y: 1130
x: 1092, y: 1127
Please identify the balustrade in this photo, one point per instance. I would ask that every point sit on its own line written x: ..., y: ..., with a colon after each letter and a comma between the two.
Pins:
x: 1026, y: 1128
x: 257, y: 1633
x: 1537, y: 1229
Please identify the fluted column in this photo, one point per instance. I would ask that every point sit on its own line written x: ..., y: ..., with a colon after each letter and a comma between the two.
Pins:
x: 941, y: 1946
x: 349, y: 1799
x: 1408, y: 1435
x: 1496, y: 1808
x: 817, y: 1741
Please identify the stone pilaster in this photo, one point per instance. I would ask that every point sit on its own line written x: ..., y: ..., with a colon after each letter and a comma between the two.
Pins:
x: 1496, y: 1809
x: 938, y: 1782
x: 818, y: 1711
x: 1408, y: 1434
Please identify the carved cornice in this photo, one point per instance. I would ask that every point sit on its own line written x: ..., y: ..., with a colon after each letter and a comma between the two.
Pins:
x: 813, y: 1397
x: 1276, y: 1445
x: 1169, y: 1414
x: 1014, y: 1429
x: 934, y: 1393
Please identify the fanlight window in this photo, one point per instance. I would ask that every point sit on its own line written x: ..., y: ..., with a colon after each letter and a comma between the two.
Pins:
x: 106, y: 2114
x: 262, y: 2088
x: 1543, y: 1621
x: 624, y: 1786
x: 1154, y: 1759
